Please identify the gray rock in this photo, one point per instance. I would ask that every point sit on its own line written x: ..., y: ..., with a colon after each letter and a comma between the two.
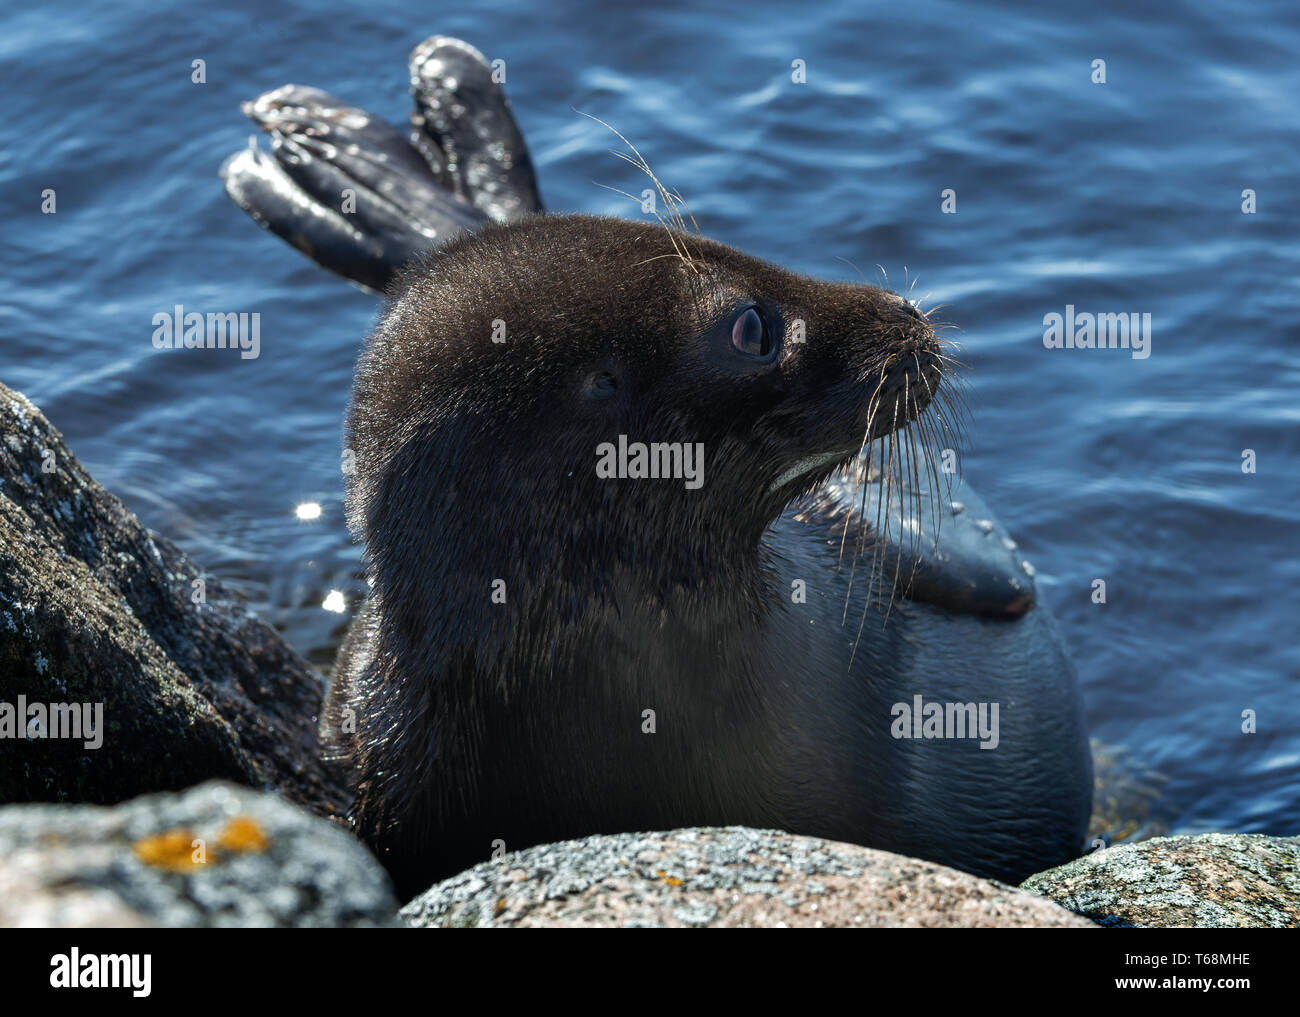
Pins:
x: 96, y: 609
x: 1206, y: 881
x: 722, y: 877
x: 263, y: 862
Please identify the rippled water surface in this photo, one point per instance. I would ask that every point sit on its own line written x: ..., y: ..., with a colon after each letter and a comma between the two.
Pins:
x: 1116, y: 197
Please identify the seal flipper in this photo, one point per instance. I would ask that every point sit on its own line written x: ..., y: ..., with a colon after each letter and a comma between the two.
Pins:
x: 314, y: 133
x: 465, y: 163
x: 463, y: 125
x: 952, y: 553
x: 257, y: 184
x: 325, y: 152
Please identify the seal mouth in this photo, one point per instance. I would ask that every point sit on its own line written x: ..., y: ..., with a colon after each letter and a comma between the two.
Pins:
x: 807, y: 466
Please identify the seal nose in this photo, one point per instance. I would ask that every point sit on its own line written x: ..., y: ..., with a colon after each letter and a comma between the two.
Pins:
x: 917, y: 332
x: 913, y: 353
x: 914, y: 322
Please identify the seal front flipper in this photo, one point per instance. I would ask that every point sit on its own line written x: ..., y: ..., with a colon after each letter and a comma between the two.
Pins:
x: 344, y: 186
x: 948, y: 550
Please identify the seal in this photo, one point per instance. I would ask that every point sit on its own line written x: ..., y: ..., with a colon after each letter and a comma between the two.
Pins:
x: 548, y: 651
x: 657, y: 537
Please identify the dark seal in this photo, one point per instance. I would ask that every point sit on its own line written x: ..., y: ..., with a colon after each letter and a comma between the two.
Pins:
x: 658, y: 537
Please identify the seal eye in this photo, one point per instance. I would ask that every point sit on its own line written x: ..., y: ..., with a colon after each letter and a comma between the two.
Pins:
x: 749, y: 334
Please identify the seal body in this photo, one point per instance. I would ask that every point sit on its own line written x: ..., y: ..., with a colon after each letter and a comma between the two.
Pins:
x: 550, y: 650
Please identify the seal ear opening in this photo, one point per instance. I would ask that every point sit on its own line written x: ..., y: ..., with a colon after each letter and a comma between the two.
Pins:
x: 600, y: 386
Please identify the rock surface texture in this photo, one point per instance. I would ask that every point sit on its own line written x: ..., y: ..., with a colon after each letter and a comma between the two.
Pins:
x: 216, y: 855
x: 96, y: 609
x: 1206, y: 881
x: 722, y: 877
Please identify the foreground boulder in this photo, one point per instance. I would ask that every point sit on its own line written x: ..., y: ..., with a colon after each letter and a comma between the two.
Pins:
x: 1207, y: 881
x: 728, y: 876
x: 216, y: 855
x: 94, y: 609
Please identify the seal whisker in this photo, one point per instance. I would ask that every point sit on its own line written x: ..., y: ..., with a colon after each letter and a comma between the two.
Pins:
x: 671, y: 199
x: 659, y: 257
x: 852, y: 266
x: 669, y: 229
x: 881, y: 541
x: 921, y: 434
x: 914, y: 467
x: 671, y: 202
x: 678, y: 196
x: 952, y: 410
x: 639, y: 162
x: 913, y: 412
x: 863, y: 478
x: 922, y: 425
x: 942, y: 482
x: 863, y: 483
x: 950, y: 360
x: 894, y: 486
x: 954, y: 421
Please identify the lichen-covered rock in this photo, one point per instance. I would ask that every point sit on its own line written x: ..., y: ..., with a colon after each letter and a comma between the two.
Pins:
x: 1206, y: 881
x: 727, y: 876
x: 94, y: 609
x: 216, y: 855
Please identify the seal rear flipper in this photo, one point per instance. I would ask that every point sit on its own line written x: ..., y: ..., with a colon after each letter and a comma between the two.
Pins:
x: 345, y: 182
x: 464, y: 127
x: 327, y: 146
x: 256, y: 183
x: 948, y: 550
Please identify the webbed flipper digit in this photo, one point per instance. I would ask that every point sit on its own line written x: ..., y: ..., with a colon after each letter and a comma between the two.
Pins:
x: 464, y: 126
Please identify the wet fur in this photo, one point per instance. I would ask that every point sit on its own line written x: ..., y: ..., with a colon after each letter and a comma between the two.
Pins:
x: 476, y: 461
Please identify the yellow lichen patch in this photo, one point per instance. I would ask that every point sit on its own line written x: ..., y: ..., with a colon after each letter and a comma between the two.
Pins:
x: 670, y: 880
x: 173, y: 851
x: 244, y: 834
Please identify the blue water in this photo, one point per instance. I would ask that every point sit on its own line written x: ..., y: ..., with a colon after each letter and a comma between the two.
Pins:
x: 1119, y: 197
